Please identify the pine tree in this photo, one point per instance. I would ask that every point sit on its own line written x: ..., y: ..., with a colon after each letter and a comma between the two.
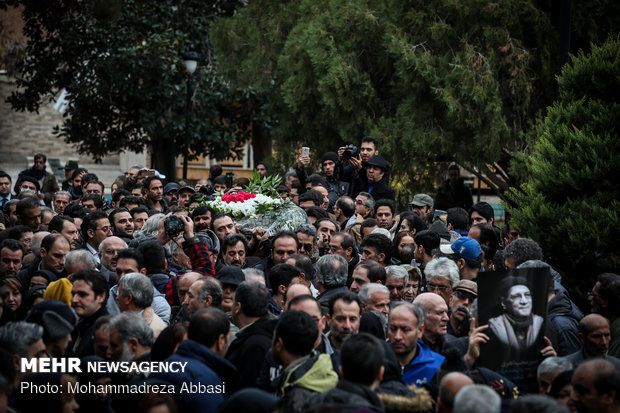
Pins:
x: 571, y: 203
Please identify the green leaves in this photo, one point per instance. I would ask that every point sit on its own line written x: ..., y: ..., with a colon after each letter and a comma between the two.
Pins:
x: 570, y: 201
x: 430, y: 80
x: 266, y: 186
x: 121, y: 63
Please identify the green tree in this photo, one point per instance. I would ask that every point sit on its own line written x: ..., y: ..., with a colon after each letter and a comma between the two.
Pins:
x: 571, y: 202
x: 121, y: 64
x: 433, y: 81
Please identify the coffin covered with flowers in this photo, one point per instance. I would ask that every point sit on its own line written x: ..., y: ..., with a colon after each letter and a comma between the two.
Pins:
x: 260, y: 205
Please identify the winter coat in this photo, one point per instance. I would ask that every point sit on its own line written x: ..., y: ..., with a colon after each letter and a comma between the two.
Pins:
x: 349, y: 397
x: 565, y: 317
x: 303, y: 378
x: 423, y: 367
x: 203, y: 368
x: 247, y: 351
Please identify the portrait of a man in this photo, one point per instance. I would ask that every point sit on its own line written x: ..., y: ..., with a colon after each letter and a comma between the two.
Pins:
x: 517, y: 325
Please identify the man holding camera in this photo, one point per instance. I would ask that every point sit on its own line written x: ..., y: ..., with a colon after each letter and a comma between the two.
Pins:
x: 356, y: 173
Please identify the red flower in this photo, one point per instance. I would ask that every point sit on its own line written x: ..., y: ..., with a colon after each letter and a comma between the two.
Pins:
x: 238, y: 197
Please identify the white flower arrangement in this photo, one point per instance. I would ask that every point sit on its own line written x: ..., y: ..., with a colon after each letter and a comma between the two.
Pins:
x: 245, y: 205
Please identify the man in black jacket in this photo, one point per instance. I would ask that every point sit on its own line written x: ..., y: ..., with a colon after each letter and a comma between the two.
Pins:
x: 374, y: 181
x: 362, y: 371
x: 249, y: 313
x: 88, y: 300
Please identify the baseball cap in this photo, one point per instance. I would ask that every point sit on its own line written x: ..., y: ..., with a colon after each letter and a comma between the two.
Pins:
x: 422, y: 200
x: 464, y: 247
x: 171, y: 186
x: 187, y: 188
x: 69, y: 165
x: 229, y: 274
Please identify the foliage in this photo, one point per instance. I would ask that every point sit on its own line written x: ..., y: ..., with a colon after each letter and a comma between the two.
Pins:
x: 571, y: 203
x: 267, y: 186
x: 433, y: 81
x: 121, y: 64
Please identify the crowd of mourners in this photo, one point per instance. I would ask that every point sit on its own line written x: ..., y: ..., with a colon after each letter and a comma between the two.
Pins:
x: 361, y: 309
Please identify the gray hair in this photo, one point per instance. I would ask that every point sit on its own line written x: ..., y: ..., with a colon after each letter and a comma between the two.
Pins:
x: 477, y: 398
x: 552, y: 365
x: 398, y: 272
x: 370, y: 202
x: 289, y: 175
x: 308, y: 230
x: 131, y: 325
x: 35, y: 243
x: 140, y: 288
x: 103, y: 243
x: 210, y: 287
x: 416, y: 309
x: 150, y: 227
x: 443, y: 267
x: 332, y: 270
x: 61, y: 193
x: 82, y: 258
x: 17, y: 337
x: 537, y: 403
x: 253, y: 271
x: 369, y: 289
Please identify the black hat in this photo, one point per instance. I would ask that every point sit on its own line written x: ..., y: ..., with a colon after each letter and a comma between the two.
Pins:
x: 329, y: 156
x: 70, y: 165
x: 48, y: 275
x: 171, y: 186
x: 56, y: 318
x: 377, y: 160
x: 229, y: 274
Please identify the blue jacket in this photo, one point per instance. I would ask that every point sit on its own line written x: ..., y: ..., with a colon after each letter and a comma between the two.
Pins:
x: 204, y: 368
x: 423, y: 367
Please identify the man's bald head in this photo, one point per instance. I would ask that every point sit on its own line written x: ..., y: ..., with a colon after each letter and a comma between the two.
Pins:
x: 186, y: 281
x: 296, y: 290
x: 428, y: 300
x: 595, y: 335
x: 449, y: 386
x: 591, y: 322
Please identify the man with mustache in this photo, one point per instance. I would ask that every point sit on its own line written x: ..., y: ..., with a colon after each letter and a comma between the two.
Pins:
x: 343, y: 318
x: 465, y: 292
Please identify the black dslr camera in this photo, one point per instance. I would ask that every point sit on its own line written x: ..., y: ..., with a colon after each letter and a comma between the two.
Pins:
x: 173, y: 225
x: 349, y: 152
x: 207, y: 190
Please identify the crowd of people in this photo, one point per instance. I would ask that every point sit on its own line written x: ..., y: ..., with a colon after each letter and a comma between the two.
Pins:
x: 362, y: 308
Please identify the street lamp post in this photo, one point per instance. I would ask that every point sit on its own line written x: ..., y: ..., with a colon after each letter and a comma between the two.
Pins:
x: 190, y: 58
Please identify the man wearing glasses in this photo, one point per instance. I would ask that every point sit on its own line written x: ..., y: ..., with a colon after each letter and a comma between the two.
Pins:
x: 442, y: 274
x: 465, y: 292
x: 95, y: 228
x: 364, y: 205
x: 343, y: 244
x: 306, y: 235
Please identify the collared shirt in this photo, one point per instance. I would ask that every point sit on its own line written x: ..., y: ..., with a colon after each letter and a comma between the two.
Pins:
x: 94, y: 252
